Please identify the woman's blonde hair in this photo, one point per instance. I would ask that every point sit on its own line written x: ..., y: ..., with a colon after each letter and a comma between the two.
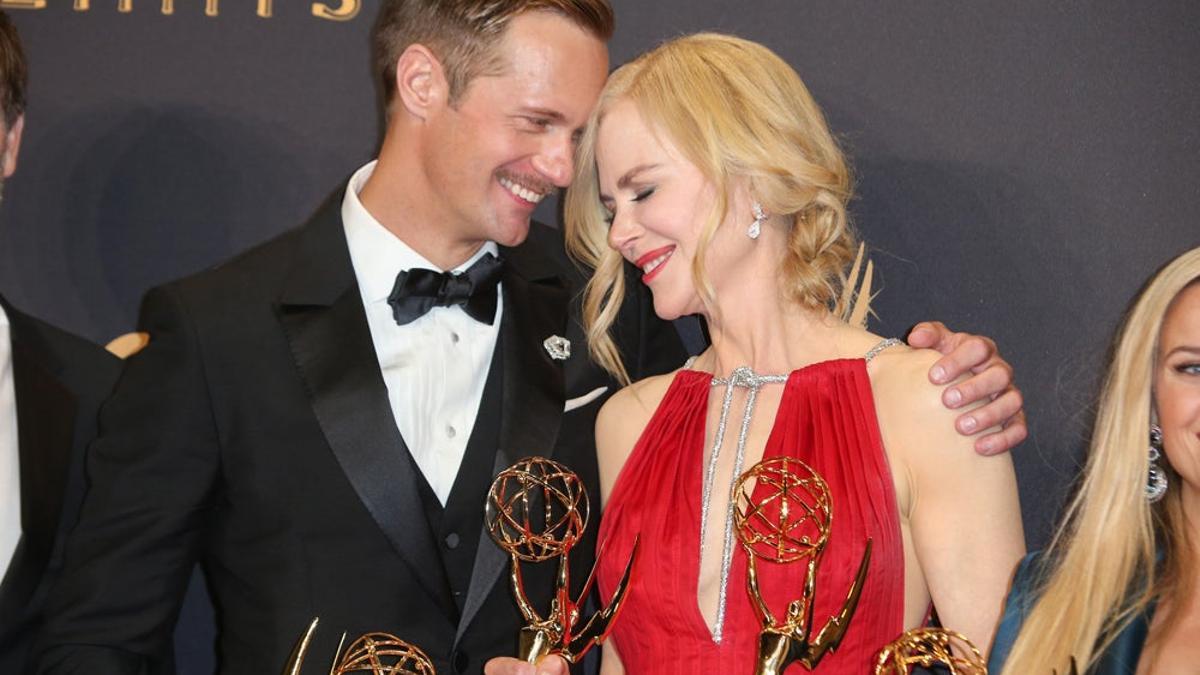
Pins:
x: 737, y: 112
x: 1104, y: 557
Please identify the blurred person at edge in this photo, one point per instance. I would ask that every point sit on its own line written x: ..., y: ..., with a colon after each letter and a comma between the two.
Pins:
x: 1116, y: 590
x: 51, y: 385
x: 317, y: 424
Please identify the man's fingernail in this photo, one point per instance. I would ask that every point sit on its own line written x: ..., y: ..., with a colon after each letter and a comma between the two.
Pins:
x: 987, y: 446
x: 953, y: 397
x: 968, y: 424
x: 939, y: 373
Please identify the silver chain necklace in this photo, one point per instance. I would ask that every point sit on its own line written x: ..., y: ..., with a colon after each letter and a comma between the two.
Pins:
x: 752, y: 381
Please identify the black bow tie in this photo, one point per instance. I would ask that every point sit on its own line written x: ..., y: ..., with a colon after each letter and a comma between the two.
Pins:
x: 419, y: 290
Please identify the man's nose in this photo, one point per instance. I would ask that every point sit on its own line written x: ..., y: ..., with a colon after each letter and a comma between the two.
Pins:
x: 556, y: 161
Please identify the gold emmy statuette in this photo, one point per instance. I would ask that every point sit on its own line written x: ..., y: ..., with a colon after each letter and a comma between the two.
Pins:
x: 790, y: 523
x: 926, y: 647
x: 537, y: 509
x: 375, y: 653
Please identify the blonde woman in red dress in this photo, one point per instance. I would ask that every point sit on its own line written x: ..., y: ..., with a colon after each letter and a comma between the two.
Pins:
x: 709, y: 167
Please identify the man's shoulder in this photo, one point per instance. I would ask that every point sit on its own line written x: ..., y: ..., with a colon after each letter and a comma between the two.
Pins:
x: 70, y: 356
x: 259, y: 261
x: 259, y: 272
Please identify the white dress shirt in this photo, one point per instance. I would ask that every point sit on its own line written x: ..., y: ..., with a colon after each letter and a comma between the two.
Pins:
x: 435, y: 367
x: 10, y: 460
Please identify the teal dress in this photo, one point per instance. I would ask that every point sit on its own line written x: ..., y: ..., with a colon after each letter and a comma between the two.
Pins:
x: 1121, y: 657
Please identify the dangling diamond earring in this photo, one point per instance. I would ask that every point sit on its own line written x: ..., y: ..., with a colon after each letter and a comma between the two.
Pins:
x: 755, y: 228
x: 1156, y: 481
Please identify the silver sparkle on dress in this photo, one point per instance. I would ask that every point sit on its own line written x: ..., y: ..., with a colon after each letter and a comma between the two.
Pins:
x: 744, y: 377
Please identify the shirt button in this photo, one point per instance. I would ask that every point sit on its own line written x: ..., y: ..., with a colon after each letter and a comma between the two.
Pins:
x: 452, y: 541
x: 450, y: 432
x: 454, y: 338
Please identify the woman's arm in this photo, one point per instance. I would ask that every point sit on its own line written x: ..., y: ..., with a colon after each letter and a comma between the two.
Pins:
x: 962, y: 507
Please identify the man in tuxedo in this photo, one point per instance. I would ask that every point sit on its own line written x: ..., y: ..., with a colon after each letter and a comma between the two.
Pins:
x: 318, y: 420
x: 51, y: 384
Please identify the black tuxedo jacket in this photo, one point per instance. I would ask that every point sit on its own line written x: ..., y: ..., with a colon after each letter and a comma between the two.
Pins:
x: 254, y: 433
x: 59, y: 381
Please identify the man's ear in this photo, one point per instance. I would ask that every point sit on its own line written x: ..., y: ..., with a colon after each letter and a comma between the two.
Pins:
x: 12, y: 146
x: 421, y: 86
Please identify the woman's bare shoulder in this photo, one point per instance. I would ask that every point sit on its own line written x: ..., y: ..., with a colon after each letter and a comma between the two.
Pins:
x: 620, y: 424
x: 638, y: 399
x: 900, y: 378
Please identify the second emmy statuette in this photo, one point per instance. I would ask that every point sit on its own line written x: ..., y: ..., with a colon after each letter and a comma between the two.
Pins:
x: 537, y: 510
x: 375, y: 653
x: 784, y: 514
x: 928, y: 647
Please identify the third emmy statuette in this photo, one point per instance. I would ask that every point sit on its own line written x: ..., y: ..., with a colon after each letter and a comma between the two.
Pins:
x: 537, y: 510
x: 375, y: 653
x: 784, y: 514
x: 928, y: 647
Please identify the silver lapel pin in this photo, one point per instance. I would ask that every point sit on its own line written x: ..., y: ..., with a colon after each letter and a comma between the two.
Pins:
x: 558, y: 347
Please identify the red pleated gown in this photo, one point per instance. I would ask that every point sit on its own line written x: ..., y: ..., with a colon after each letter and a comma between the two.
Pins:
x: 826, y: 419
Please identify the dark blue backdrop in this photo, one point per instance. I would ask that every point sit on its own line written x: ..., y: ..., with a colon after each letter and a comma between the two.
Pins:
x: 1022, y: 165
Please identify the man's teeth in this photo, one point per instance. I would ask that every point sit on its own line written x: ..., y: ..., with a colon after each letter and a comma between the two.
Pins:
x: 650, y: 266
x: 524, y: 193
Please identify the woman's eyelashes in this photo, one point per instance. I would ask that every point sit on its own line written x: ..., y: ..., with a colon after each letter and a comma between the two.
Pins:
x: 610, y: 212
x: 643, y: 194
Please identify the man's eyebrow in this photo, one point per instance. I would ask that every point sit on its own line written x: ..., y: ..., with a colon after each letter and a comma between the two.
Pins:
x: 630, y: 175
x: 544, y: 112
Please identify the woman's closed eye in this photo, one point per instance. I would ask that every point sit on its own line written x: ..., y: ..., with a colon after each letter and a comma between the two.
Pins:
x: 642, y: 194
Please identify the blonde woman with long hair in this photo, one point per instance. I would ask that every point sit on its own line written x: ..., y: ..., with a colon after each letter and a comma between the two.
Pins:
x: 1116, y: 591
x: 709, y: 167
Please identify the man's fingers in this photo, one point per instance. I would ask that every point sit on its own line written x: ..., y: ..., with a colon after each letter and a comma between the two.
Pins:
x: 928, y: 335
x: 990, y: 383
x: 553, y: 665
x: 509, y: 666
x: 1005, y: 439
x: 1001, y: 411
x: 973, y: 353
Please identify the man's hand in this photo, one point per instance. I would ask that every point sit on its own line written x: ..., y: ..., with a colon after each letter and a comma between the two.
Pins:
x: 503, y: 665
x: 991, y: 380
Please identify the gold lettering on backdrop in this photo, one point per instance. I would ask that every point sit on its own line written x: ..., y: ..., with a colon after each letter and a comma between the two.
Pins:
x: 23, y: 4
x: 347, y: 11
x: 122, y: 5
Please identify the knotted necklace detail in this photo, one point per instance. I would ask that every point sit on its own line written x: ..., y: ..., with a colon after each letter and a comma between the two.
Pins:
x: 741, y: 377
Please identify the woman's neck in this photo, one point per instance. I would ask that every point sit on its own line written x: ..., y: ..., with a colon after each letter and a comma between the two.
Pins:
x: 771, y: 335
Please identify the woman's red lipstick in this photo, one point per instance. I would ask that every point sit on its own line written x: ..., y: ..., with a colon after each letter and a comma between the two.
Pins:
x: 651, y: 256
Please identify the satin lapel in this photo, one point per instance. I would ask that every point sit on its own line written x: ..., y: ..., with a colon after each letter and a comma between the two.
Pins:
x: 535, y: 308
x: 331, y: 344
x: 45, y: 430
